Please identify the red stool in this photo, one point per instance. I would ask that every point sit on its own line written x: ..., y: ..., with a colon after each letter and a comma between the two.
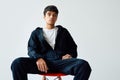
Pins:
x: 53, y: 74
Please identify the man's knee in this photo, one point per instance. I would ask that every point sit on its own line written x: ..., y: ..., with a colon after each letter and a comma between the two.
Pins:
x: 16, y: 63
x: 84, y: 63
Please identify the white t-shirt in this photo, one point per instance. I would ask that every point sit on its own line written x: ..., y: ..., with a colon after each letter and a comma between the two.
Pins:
x: 50, y: 35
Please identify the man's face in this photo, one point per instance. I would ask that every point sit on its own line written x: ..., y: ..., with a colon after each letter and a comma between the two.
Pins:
x: 50, y: 17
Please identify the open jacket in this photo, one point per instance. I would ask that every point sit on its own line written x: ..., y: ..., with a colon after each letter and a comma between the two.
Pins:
x: 38, y: 47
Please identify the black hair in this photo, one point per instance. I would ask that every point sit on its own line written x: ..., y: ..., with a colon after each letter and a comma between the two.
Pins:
x: 51, y: 8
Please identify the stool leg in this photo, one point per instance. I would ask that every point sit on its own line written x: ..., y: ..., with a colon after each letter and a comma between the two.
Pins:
x: 44, y: 78
x: 58, y: 77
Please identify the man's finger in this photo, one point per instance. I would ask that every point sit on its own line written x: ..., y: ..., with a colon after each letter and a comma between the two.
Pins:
x: 43, y: 67
x: 46, y: 68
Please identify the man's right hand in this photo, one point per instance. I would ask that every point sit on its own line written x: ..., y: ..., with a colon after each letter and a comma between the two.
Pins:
x: 42, y: 66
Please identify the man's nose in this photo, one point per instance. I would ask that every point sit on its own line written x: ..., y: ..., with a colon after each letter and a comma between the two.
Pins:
x: 51, y: 16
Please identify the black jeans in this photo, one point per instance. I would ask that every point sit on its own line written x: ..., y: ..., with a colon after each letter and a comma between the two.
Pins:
x: 76, y: 67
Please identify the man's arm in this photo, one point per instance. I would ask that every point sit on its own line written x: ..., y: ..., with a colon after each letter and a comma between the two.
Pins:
x: 33, y: 47
x: 33, y: 52
x: 71, y: 46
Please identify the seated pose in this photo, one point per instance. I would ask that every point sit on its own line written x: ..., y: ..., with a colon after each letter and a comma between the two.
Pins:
x: 51, y: 49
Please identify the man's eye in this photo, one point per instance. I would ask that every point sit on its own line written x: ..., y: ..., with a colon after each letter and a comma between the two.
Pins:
x: 55, y: 15
x: 48, y: 14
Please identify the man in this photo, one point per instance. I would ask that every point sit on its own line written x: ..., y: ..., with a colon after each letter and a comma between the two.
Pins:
x: 51, y: 49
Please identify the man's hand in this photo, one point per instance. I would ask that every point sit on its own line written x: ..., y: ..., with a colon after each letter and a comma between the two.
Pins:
x: 67, y: 56
x: 42, y: 66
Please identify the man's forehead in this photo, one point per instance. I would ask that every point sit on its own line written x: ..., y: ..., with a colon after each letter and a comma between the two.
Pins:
x: 52, y: 12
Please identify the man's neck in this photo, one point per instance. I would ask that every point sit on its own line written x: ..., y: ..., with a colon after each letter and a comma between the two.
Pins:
x: 49, y: 26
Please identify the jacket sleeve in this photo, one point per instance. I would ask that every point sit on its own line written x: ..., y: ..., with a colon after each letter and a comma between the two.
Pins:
x: 71, y: 45
x: 33, y: 46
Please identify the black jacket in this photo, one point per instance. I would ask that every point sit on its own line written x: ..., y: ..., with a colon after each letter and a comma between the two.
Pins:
x: 38, y: 46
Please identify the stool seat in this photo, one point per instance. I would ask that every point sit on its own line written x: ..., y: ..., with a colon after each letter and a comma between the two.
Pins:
x: 52, y: 74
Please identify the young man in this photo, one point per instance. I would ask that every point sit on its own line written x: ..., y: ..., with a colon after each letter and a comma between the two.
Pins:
x: 51, y: 49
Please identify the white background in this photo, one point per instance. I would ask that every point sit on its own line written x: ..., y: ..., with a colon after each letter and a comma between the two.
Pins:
x: 94, y: 25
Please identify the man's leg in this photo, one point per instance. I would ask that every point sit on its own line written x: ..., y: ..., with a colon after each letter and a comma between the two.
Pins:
x: 77, y: 67
x: 21, y: 66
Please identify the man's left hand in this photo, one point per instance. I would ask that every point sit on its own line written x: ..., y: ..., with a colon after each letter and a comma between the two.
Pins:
x: 67, y: 56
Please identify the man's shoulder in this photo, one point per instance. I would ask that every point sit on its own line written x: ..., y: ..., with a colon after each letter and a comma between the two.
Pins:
x: 37, y: 30
x: 60, y: 27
